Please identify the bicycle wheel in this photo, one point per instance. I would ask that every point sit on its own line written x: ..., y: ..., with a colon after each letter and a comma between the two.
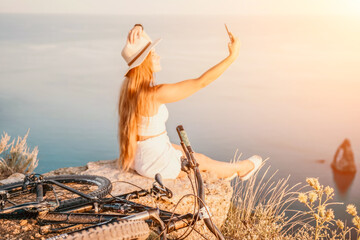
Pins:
x: 121, y: 230
x: 95, y: 186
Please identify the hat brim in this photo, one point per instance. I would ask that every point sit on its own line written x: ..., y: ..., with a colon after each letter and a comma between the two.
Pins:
x: 142, y: 57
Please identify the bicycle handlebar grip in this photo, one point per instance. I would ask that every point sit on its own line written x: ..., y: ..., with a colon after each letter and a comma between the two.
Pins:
x: 183, y: 135
x: 158, y: 179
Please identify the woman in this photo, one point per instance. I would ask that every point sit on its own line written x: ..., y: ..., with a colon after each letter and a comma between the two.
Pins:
x: 144, y: 144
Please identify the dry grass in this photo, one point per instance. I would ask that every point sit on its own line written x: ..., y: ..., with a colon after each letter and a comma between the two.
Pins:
x: 16, y: 157
x: 261, y: 209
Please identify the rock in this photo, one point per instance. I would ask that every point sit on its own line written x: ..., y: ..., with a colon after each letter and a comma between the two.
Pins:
x: 25, y: 228
x: 15, y: 177
x: 218, y: 195
x: 66, y: 171
x: 23, y: 222
x: 344, y: 158
x: 30, y: 227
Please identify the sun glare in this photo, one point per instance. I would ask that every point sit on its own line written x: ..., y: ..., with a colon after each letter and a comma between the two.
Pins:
x: 352, y: 7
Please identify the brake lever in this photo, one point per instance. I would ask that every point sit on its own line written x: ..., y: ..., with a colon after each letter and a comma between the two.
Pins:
x: 159, y: 189
x: 158, y: 179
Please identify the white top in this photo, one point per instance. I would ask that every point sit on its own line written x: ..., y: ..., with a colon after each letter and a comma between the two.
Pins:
x: 154, y: 125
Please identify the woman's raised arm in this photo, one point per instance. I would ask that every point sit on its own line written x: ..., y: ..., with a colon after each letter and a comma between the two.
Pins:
x: 166, y: 93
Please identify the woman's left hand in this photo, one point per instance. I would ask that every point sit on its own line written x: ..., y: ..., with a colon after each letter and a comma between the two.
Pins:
x: 134, y: 33
x: 234, y: 46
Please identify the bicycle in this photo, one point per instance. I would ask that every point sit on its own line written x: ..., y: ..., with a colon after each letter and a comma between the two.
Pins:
x: 126, y: 220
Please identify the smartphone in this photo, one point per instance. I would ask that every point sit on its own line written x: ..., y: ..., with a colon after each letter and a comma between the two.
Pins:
x: 228, y: 32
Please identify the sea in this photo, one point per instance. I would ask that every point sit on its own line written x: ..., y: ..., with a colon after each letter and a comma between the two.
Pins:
x: 292, y: 96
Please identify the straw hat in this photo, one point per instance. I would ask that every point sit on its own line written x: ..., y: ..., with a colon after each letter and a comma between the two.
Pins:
x: 134, y: 54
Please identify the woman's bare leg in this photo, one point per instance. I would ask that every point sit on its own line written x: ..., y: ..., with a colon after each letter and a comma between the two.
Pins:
x: 221, y: 169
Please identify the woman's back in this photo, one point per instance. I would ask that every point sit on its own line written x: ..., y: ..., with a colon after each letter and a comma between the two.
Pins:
x: 154, y: 124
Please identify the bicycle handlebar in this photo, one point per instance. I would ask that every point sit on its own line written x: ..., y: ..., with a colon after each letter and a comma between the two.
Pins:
x: 204, y: 210
x: 183, y: 136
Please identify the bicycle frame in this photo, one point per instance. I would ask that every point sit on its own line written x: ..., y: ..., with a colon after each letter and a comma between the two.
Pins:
x: 172, y: 221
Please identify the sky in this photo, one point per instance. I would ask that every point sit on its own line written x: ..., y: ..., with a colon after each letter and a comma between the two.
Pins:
x: 153, y: 7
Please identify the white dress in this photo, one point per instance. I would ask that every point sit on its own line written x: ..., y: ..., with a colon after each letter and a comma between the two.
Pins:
x: 156, y: 154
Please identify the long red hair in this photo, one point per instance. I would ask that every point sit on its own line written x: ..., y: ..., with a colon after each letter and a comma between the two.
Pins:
x: 135, y: 98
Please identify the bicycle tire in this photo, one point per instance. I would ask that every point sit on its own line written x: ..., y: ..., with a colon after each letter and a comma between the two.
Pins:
x: 103, y: 188
x: 120, y: 230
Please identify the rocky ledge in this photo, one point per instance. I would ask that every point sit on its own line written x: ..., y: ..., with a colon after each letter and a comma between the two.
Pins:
x: 218, y: 192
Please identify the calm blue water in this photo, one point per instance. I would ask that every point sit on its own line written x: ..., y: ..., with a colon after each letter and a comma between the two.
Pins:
x: 292, y: 95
